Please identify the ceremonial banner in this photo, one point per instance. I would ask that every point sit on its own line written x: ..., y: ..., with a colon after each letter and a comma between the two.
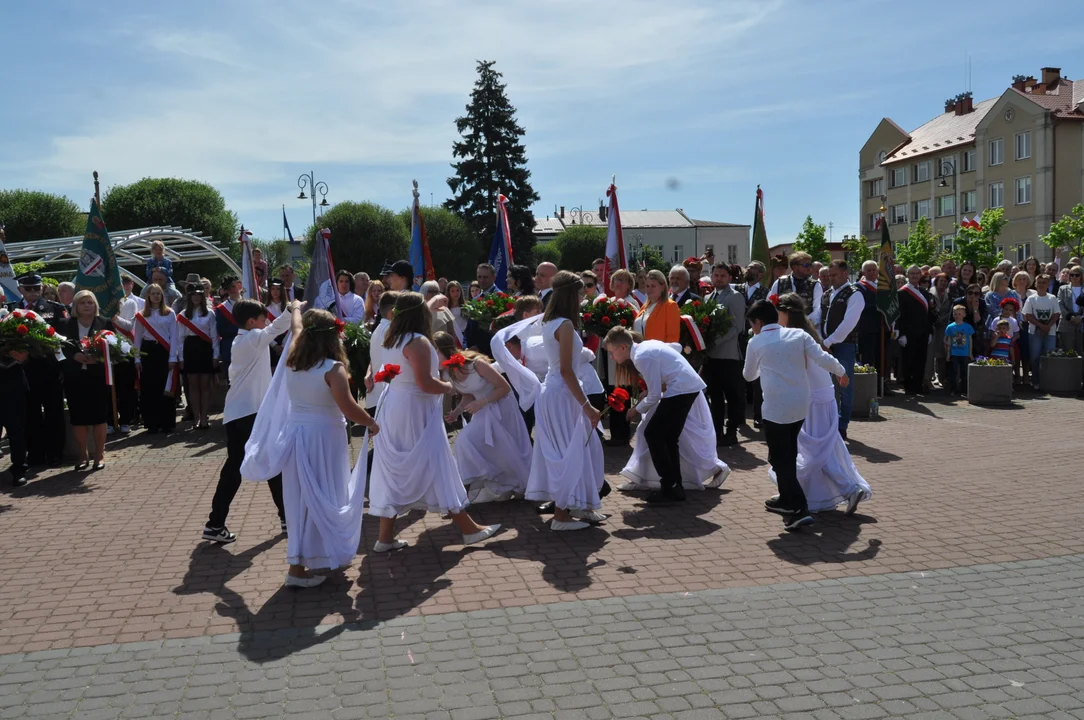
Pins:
x: 286, y: 226
x: 419, y: 242
x: 250, y: 284
x: 322, y: 274
x: 98, y: 269
x: 888, y: 301
x: 615, y: 243
x: 8, y: 285
x: 500, y: 253
x: 759, y: 249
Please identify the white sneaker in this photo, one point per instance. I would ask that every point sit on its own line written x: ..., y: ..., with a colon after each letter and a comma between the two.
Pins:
x: 303, y: 582
x: 591, y: 517
x: 718, y: 479
x: 564, y: 526
x: 852, y: 502
x: 125, y: 429
x: 109, y: 430
x: 481, y: 535
x: 383, y: 547
x: 630, y: 486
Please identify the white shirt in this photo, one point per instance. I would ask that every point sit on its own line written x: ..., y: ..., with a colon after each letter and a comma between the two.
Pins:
x: 250, y: 368
x: 207, y: 323
x: 376, y: 362
x: 1044, y: 308
x: 129, y: 306
x: 855, y: 305
x: 660, y: 364
x: 163, y: 325
x: 352, y: 308
x: 778, y: 356
x: 818, y: 293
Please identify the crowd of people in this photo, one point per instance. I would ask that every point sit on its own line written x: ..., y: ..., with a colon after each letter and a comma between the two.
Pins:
x: 462, y: 413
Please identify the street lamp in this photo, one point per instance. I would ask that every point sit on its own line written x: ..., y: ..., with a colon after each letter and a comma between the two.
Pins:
x: 948, y: 169
x: 585, y: 217
x: 308, y: 181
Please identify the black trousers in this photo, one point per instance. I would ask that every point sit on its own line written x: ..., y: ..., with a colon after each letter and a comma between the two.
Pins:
x: 13, y: 420
x: 229, y: 480
x: 159, y: 410
x: 726, y: 394
x: 782, y: 439
x: 45, y: 434
x: 869, y: 353
x: 913, y: 362
x: 124, y: 376
x: 662, y: 434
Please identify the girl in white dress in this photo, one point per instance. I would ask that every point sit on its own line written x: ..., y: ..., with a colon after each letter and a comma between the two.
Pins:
x: 299, y: 431
x: 492, y: 451
x: 413, y: 465
x: 825, y: 469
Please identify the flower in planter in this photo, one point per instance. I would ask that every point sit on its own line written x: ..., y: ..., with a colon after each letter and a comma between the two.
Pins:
x: 865, y: 370
x: 990, y: 362
x: 1061, y: 354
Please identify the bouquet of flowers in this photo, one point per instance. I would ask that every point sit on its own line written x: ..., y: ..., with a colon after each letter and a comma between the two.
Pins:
x: 710, y: 319
x: 26, y: 331
x: 120, y: 349
x: 600, y: 317
x: 356, y: 343
x: 485, y: 308
x: 990, y: 362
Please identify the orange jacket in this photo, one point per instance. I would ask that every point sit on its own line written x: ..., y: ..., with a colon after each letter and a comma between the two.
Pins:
x: 664, y: 323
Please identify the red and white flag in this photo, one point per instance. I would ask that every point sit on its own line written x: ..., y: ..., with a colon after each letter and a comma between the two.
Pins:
x: 615, y: 243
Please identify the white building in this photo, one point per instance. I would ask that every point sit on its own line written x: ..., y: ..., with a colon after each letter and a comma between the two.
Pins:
x: 673, y: 233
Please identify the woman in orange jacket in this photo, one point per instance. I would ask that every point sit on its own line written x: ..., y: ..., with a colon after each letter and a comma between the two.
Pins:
x: 660, y: 318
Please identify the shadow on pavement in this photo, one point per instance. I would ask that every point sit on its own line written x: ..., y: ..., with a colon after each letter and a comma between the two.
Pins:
x: 870, y: 454
x: 828, y: 541
x: 68, y: 482
x: 674, y: 521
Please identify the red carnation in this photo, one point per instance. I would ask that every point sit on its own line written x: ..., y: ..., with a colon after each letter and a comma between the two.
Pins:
x: 455, y: 361
x: 387, y: 374
x: 587, y: 316
x: 617, y: 399
x: 696, y: 303
x: 490, y: 303
x: 22, y: 329
x: 340, y: 326
x: 774, y: 299
x: 643, y: 384
x: 605, y: 319
x: 621, y: 393
x: 50, y: 331
x: 623, y: 322
x: 17, y: 313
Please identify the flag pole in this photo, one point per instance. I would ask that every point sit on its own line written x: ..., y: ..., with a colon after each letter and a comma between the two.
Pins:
x: 113, y: 387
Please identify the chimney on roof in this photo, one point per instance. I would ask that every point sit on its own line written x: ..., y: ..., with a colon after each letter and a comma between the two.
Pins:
x: 601, y: 212
x: 1029, y: 83
x: 950, y: 105
x: 966, y: 105
x: 1051, y: 76
x: 1018, y: 82
x: 562, y: 212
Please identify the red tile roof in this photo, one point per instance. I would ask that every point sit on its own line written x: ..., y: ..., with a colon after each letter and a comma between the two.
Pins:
x: 944, y: 132
x: 1062, y: 99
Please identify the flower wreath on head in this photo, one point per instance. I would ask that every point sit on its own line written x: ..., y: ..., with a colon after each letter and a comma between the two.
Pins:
x: 1010, y: 301
x: 774, y: 299
x: 339, y: 327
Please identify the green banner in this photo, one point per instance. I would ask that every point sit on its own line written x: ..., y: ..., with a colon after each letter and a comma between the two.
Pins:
x: 98, y: 269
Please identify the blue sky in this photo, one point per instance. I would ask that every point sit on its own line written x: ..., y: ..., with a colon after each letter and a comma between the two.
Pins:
x: 691, y: 103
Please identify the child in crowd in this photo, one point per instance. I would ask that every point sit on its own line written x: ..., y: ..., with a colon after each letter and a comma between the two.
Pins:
x: 958, y: 347
x: 1010, y: 309
x: 158, y: 259
x: 1002, y: 345
x: 259, y: 265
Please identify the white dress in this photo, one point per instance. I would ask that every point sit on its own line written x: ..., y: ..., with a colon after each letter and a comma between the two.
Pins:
x: 301, y: 432
x: 413, y: 465
x: 825, y: 469
x: 492, y: 451
x: 700, y: 461
x: 567, y: 463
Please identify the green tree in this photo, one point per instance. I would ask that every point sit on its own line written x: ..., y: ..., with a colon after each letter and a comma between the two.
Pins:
x: 547, y: 252
x: 1068, y: 232
x: 363, y: 236
x: 21, y: 269
x: 858, y: 250
x: 492, y: 160
x: 922, y: 246
x: 453, y: 247
x: 812, y: 240
x: 36, y: 215
x: 980, y: 246
x: 579, y: 245
x: 652, y: 259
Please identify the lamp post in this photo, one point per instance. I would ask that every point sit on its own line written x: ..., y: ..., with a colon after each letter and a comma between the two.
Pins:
x: 585, y: 217
x: 308, y: 181
x: 948, y: 169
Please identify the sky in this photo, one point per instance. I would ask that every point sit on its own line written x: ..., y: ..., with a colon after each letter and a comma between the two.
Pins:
x: 689, y: 103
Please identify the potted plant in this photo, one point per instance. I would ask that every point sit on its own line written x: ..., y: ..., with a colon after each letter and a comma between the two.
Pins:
x: 989, y: 382
x: 865, y: 390
x: 1061, y: 371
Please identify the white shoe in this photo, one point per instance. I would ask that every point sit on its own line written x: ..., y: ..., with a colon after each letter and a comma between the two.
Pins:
x: 630, y: 486
x: 718, y: 479
x: 481, y: 535
x: 564, y: 526
x: 109, y: 430
x: 304, y: 582
x: 591, y: 517
x: 383, y: 547
x: 125, y: 429
x: 483, y: 495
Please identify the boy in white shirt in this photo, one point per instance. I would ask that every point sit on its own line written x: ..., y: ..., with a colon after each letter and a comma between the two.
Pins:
x: 778, y: 356
x: 250, y: 376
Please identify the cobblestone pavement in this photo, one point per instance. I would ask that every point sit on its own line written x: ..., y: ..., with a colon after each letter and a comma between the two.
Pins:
x: 993, y: 641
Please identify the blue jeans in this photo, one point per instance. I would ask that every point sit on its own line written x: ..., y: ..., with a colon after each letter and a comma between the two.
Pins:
x: 1037, y: 345
x: 845, y: 353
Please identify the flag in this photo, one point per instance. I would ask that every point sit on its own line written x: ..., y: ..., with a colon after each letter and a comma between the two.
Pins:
x: 887, y: 299
x: 98, y: 269
x: 250, y: 284
x: 286, y: 226
x: 9, y: 286
x: 615, y: 243
x: 322, y: 274
x: 759, y: 249
x: 419, y: 242
x: 500, y: 253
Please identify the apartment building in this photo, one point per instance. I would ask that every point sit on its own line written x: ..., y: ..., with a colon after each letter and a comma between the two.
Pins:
x: 1022, y: 151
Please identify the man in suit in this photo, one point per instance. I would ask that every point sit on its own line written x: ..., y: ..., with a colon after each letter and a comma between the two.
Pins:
x: 286, y: 274
x: 13, y: 392
x: 224, y: 322
x: 680, y: 292
x: 918, y: 314
x: 477, y: 336
x: 45, y: 401
x: 723, y: 366
x: 543, y: 276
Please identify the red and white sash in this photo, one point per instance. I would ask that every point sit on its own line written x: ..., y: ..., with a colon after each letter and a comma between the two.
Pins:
x: 183, y: 320
x: 868, y: 284
x: 916, y: 295
x: 152, y: 332
x: 226, y: 311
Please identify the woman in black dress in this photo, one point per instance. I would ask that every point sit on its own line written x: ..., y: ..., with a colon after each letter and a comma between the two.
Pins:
x: 89, y: 405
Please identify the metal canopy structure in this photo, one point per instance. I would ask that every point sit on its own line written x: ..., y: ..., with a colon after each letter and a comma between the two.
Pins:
x: 132, y: 247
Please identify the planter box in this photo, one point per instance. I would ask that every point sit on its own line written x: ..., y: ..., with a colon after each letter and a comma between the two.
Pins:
x: 865, y: 390
x: 1061, y: 374
x: 989, y: 384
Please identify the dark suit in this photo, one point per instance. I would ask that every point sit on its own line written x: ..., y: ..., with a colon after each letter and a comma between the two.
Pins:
x: 753, y: 394
x: 870, y: 325
x: 915, y: 323
x: 684, y: 297
x: 45, y: 434
x: 13, y: 393
x: 297, y: 292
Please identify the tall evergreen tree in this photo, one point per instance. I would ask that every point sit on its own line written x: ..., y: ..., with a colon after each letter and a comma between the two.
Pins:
x: 492, y: 160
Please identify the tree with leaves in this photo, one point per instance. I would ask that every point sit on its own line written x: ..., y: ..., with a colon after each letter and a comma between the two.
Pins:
x: 492, y: 160
x: 980, y: 246
x: 922, y: 246
x: 453, y: 247
x: 36, y: 215
x: 547, y: 252
x: 363, y: 236
x: 858, y: 250
x: 1068, y: 232
x: 812, y: 240
x: 579, y: 245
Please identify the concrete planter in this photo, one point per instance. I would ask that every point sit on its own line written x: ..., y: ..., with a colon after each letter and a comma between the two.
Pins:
x: 1061, y: 374
x: 865, y: 390
x: 989, y: 384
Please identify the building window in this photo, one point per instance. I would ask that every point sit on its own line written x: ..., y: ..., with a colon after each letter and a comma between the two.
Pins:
x: 899, y: 177
x: 922, y: 171
x: 997, y: 151
x: 1023, y: 190
x: 997, y: 195
x: 899, y: 214
x: 876, y: 187
x: 1023, y: 252
x: 732, y: 254
x: 922, y: 209
x: 679, y: 253
x: 967, y: 201
x: 967, y: 161
x: 1023, y: 145
x: 946, y: 242
x: 946, y: 205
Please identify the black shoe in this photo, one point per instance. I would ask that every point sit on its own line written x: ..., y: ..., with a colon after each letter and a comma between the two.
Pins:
x: 221, y: 535
x: 606, y: 490
x: 282, y: 525
x: 773, y: 504
x: 729, y: 439
x: 676, y: 494
x: 756, y: 424
x: 797, y: 521
x: 545, y: 508
x: 843, y: 434
x: 612, y: 442
x: 18, y: 480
